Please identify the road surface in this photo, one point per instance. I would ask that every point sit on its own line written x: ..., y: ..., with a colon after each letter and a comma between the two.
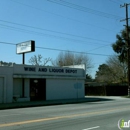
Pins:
x: 103, y: 115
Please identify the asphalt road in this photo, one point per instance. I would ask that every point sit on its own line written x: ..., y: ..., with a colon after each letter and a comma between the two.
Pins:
x: 103, y: 115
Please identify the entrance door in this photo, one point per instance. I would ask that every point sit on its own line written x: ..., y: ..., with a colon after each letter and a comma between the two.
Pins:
x: 38, y: 89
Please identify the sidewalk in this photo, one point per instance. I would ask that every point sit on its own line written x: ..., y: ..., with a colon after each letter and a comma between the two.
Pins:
x: 46, y: 103
x: 59, y: 102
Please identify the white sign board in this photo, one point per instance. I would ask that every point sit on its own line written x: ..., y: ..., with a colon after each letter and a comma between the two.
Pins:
x: 47, y: 70
x: 24, y: 47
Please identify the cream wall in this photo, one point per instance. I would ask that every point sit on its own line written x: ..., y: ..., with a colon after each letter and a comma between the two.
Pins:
x: 17, y: 90
x: 6, y: 75
x: 64, y: 89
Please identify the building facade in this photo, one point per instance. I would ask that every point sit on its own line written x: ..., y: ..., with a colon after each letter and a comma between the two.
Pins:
x: 27, y: 83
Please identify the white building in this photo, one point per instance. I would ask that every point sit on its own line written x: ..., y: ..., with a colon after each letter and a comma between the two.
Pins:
x: 26, y: 83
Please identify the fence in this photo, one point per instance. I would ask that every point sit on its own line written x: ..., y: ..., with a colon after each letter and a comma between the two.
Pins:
x: 108, y: 90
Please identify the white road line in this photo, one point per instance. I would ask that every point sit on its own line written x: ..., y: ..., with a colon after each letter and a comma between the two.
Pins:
x: 92, y: 128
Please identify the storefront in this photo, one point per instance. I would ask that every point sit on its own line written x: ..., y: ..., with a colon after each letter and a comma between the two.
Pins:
x: 27, y: 83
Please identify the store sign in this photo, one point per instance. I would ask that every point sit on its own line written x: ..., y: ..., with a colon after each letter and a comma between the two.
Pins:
x: 47, y: 71
x: 50, y: 70
x: 25, y: 47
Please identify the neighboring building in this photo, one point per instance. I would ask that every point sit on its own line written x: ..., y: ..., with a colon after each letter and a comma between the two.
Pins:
x: 26, y: 83
x: 6, y: 63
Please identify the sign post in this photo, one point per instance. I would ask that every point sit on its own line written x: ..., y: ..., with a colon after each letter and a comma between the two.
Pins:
x: 23, y: 58
x: 22, y: 48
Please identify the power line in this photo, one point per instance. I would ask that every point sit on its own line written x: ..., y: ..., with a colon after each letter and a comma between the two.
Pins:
x: 97, y: 48
x: 8, y: 43
x: 84, y: 9
x: 117, y: 2
x: 81, y: 8
x: 43, y: 29
x: 55, y: 49
x: 72, y: 51
x: 38, y: 28
x: 55, y: 36
x: 69, y: 18
x: 121, y: 1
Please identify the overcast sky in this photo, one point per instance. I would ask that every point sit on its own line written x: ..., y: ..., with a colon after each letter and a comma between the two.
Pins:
x: 87, y: 26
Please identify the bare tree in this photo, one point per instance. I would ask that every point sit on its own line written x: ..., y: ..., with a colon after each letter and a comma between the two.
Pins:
x: 38, y: 60
x: 118, y: 69
x: 69, y: 58
x: 112, y: 71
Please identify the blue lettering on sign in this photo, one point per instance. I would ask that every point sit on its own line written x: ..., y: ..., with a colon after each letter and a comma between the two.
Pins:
x: 26, y: 68
x: 42, y: 70
x: 51, y: 70
x: 56, y: 70
x: 70, y: 71
x: 30, y: 69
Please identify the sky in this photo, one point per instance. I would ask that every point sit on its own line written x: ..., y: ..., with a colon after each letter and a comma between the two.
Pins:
x: 82, y: 26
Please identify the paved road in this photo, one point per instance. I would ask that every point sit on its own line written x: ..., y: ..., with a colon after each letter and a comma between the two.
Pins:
x: 103, y: 115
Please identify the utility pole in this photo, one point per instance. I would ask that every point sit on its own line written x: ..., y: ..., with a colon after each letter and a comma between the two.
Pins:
x: 127, y: 43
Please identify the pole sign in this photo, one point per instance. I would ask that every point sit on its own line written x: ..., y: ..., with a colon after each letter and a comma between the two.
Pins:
x: 25, y: 47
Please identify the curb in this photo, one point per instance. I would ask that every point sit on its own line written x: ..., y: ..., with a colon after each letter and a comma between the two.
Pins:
x: 44, y: 103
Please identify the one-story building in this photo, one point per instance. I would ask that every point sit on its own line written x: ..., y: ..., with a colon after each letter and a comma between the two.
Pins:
x: 27, y: 83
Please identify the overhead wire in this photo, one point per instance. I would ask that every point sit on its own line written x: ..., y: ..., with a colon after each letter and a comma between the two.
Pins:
x: 55, y: 49
x: 120, y: 1
x: 73, y: 51
x: 97, y: 48
x: 73, y: 40
x: 8, y: 43
x: 116, y: 2
x: 84, y: 9
x: 69, y: 18
x: 68, y: 34
x: 57, y: 32
x: 55, y: 36
x: 71, y: 5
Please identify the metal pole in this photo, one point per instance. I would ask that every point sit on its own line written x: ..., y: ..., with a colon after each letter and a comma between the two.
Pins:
x: 23, y: 78
x: 23, y: 58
